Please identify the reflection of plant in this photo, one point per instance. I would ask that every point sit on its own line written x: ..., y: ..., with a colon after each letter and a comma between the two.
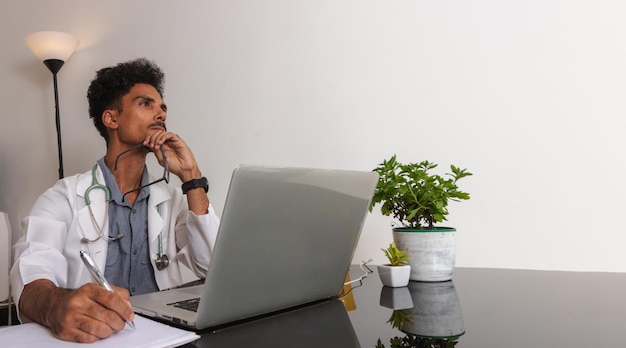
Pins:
x: 412, y: 341
x: 399, y: 317
x: 396, y: 256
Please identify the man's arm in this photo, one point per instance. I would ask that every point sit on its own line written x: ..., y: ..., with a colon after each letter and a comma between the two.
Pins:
x: 182, y: 163
x: 197, y: 199
x: 83, y: 315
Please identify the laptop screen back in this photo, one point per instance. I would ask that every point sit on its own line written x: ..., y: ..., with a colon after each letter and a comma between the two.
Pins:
x: 287, y: 237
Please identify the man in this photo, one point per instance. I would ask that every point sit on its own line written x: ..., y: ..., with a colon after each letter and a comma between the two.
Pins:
x: 138, y: 237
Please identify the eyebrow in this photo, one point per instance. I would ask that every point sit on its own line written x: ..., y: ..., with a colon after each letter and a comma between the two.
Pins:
x: 150, y: 100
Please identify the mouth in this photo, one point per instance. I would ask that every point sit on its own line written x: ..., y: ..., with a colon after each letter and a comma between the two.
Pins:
x: 158, y: 125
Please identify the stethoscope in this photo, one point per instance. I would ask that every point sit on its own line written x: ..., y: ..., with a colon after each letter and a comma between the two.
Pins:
x: 161, y: 261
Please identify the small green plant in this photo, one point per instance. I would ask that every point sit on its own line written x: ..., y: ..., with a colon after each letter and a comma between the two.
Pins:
x: 399, y: 317
x: 396, y: 256
x: 414, y: 196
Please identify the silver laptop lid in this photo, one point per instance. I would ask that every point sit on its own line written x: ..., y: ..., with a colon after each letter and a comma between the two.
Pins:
x: 287, y: 237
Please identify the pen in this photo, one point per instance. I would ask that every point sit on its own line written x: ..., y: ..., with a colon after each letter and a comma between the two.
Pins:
x: 95, y: 272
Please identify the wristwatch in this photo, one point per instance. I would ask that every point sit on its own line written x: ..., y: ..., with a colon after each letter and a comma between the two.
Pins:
x: 195, y: 183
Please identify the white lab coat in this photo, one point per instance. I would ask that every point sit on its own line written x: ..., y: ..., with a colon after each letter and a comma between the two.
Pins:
x: 49, y: 248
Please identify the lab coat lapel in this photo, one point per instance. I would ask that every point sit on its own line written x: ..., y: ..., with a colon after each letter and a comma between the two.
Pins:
x: 161, y: 195
x: 156, y: 220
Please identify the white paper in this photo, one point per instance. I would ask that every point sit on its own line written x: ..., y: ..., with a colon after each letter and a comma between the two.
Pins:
x: 147, y: 333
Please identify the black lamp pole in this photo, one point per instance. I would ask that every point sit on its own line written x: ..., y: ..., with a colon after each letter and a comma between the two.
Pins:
x: 55, y: 65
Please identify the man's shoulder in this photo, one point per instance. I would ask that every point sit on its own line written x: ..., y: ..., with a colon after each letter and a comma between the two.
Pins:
x: 67, y: 185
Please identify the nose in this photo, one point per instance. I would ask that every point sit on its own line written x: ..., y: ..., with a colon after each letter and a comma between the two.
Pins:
x: 161, y: 115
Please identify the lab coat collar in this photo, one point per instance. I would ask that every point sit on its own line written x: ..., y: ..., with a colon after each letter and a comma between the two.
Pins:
x: 159, y: 194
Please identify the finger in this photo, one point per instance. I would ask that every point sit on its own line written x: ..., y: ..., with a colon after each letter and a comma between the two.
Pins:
x: 102, y: 322
x: 158, y: 138
x: 119, y: 305
x: 75, y: 335
x: 122, y: 292
x: 84, y: 325
x: 102, y: 327
x: 68, y: 328
x: 152, y: 138
x: 94, y: 302
x: 171, y: 145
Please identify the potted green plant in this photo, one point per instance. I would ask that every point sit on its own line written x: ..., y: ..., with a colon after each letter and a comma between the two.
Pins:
x: 418, y: 199
x: 395, y: 273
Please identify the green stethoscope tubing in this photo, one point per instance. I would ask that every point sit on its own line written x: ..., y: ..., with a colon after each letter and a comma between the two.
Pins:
x: 162, y: 261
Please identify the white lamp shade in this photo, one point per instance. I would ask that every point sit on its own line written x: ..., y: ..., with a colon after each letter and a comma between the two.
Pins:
x: 52, y: 45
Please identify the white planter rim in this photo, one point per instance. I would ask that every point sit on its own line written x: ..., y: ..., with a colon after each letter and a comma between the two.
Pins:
x: 415, y: 230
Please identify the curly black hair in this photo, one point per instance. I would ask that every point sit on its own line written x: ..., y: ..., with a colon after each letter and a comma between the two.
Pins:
x: 112, y: 83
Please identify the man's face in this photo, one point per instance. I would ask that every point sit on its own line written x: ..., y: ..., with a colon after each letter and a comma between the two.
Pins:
x: 143, y: 112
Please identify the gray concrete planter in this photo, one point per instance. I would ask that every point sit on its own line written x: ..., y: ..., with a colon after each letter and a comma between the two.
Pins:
x: 436, y: 311
x: 433, y: 252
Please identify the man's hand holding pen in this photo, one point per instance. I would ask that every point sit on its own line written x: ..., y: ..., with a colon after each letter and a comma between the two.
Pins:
x: 99, y: 276
x: 86, y: 314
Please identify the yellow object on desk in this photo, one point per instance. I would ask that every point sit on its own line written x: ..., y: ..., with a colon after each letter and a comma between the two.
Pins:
x: 346, y: 296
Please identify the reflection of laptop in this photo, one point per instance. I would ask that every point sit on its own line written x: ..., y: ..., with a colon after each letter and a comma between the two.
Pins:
x: 286, y: 238
x: 323, y: 324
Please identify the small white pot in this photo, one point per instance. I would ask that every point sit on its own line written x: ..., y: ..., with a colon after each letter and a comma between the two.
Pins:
x: 394, y: 276
x: 396, y: 298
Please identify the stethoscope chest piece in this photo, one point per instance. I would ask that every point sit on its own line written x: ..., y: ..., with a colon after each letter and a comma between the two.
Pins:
x: 162, y: 261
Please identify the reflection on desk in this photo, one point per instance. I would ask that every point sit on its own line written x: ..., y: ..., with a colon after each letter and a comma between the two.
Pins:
x: 323, y: 324
x: 428, y: 313
x: 479, y: 308
x: 513, y: 309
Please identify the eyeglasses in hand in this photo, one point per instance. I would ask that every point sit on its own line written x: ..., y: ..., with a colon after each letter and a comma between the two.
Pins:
x: 166, y: 172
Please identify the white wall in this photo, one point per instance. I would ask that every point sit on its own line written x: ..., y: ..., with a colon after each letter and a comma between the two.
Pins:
x: 527, y: 94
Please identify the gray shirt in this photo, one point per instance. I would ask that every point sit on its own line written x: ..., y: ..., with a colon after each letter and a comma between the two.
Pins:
x: 128, y: 257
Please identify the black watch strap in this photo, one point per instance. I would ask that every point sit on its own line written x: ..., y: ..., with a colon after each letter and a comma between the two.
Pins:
x: 195, y: 183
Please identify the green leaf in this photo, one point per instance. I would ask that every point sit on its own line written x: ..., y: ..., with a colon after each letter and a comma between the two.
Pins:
x: 396, y: 257
x: 413, y: 195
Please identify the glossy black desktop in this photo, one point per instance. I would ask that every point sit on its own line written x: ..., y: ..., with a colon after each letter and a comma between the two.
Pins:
x: 479, y: 308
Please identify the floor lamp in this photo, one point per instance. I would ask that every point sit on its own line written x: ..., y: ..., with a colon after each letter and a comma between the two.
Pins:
x: 53, y: 48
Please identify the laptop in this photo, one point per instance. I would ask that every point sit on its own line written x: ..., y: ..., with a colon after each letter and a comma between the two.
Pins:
x: 286, y: 239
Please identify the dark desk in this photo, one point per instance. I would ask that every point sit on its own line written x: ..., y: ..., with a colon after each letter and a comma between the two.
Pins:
x: 490, y: 307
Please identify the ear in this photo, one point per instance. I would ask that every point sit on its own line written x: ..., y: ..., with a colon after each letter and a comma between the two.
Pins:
x: 109, y: 119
